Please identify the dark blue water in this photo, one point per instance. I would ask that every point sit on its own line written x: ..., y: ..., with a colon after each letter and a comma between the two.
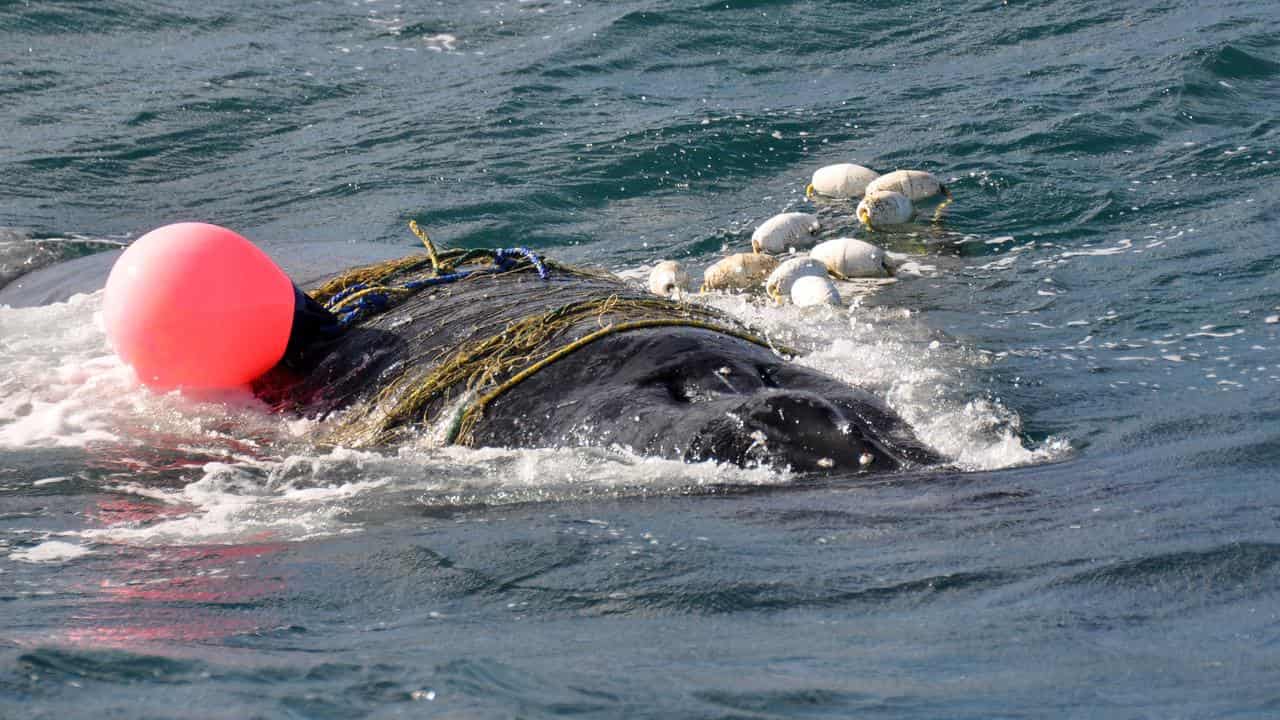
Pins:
x: 1091, y: 333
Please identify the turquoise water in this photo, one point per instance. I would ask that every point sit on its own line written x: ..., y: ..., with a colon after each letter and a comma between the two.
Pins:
x: 1091, y: 332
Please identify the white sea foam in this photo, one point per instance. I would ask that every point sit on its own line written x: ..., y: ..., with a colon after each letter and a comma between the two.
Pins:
x: 332, y: 492
x: 57, y: 376
x: 229, y: 502
x: 50, y: 551
x: 922, y: 374
x: 61, y: 386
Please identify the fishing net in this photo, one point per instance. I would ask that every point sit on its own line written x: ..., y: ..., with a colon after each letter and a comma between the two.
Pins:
x: 416, y: 352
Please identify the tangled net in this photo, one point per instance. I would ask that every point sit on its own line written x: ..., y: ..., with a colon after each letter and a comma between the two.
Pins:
x: 492, y: 359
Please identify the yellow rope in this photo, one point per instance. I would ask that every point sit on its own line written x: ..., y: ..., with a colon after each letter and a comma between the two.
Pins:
x: 373, y: 274
x: 426, y: 241
x: 509, y: 353
x: 938, y: 211
x: 461, y: 432
x: 517, y: 349
x: 354, y: 297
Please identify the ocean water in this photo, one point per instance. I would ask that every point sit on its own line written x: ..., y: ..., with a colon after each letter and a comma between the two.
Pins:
x: 1090, y: 331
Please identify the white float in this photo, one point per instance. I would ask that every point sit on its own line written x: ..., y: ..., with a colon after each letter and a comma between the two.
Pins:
x: 814, y: 290
x: 844, y: 180
x: 917, y: 185
x: 885, y: 207
x: 778, y: 286
x: 851, y: 258
x: 782, y: 232
x: 738, y: 272
x: 668, y: 279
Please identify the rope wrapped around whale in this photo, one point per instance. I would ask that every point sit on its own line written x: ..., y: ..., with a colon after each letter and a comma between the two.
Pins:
x: 486, y: 368
x: 361, y: 298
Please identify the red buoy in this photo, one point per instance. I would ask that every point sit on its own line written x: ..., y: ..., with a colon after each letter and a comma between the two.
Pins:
x: 197, y: 306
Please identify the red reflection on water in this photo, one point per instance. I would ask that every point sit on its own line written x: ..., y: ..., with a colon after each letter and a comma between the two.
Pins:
x: 119, y: 511
x: 205, y: 575
x: 184, y: 594
x: 124, y: 632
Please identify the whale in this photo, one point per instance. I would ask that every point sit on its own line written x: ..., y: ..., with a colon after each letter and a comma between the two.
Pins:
x: 612, y: 366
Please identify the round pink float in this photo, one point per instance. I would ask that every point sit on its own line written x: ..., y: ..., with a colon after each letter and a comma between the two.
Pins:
x: 195, y: 305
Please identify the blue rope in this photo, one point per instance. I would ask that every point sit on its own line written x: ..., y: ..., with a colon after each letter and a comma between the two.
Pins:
x: 343, y: 295
x: 509, y: 256
x: 504, y: 260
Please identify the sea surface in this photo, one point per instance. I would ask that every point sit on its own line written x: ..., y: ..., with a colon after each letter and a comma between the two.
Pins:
x: 1090, y: 332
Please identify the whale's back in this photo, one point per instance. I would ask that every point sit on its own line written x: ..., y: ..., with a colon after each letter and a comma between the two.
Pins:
x: 407, y: 366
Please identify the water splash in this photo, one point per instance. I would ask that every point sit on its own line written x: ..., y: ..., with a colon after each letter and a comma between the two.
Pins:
x: 924, y: 375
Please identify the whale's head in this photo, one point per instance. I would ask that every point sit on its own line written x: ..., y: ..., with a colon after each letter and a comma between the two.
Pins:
x: 794, y: 430
x: 701, y: 395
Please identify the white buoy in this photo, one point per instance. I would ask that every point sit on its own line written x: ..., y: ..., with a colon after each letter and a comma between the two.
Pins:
x: 885, y: 207
x: 738, y: 272
x: 668, y: 279
x: 778, y: 286
x: 813, y: 290
x: 782, y: 232
x: 844, y: 181
x: 915, y: 184
x: 851, y: 258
